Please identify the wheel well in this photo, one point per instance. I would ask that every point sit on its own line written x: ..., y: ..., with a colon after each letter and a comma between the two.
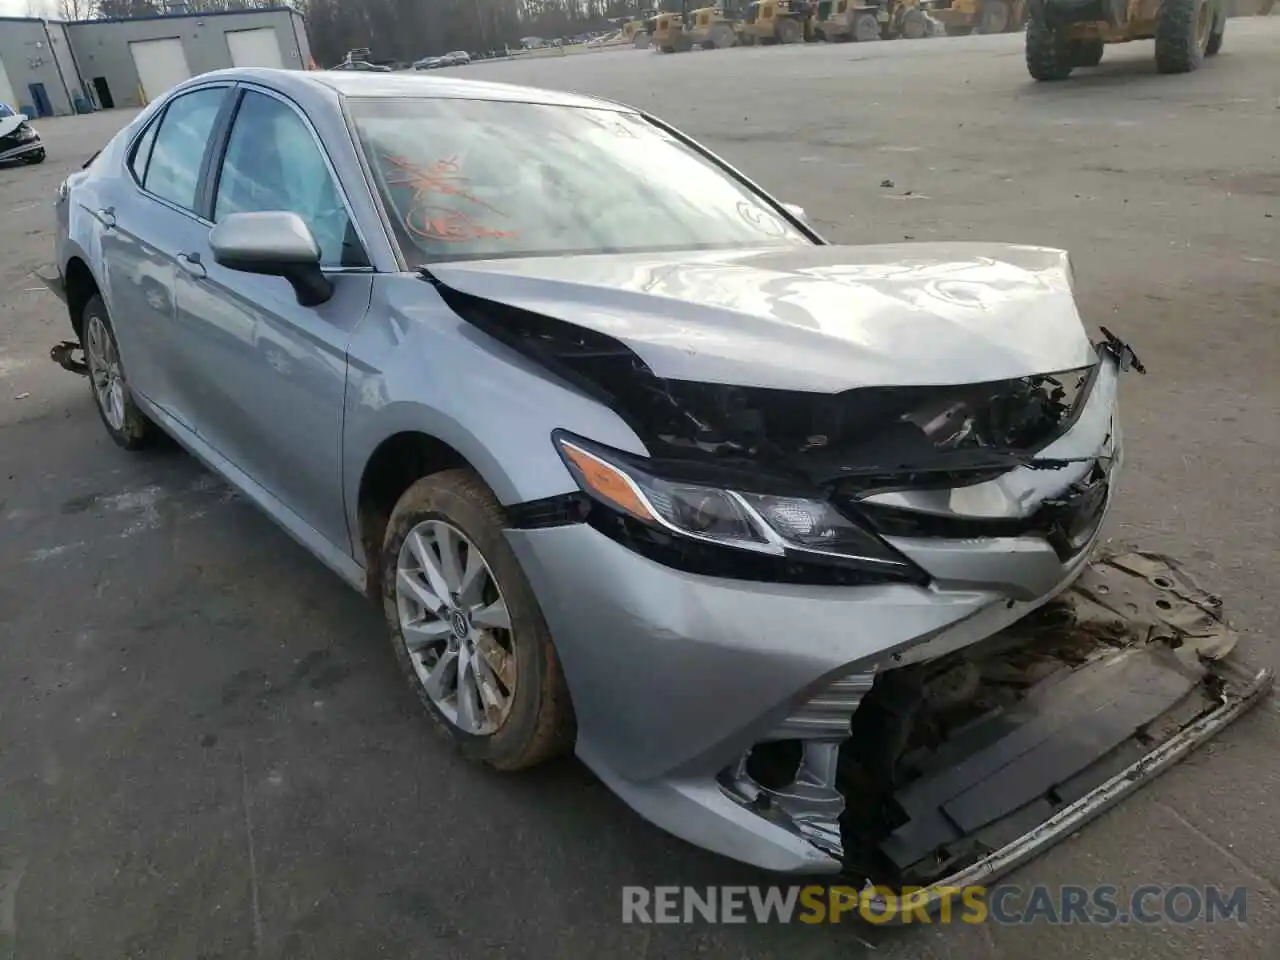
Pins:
x: 80, y: 289
x: 398, y: 463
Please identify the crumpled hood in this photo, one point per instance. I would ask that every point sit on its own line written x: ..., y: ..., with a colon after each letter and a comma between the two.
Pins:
x: 815, y: 318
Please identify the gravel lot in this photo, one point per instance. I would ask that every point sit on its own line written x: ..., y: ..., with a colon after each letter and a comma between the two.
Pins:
x: 205, y: 750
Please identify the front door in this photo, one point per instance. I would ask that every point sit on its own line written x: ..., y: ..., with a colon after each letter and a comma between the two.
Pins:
x: 268, y: 376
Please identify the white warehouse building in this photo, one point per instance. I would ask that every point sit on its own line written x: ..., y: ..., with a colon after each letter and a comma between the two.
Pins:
x: 52, y: 68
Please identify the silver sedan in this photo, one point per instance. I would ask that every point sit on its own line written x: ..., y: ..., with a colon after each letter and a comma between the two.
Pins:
x: 792, y: 543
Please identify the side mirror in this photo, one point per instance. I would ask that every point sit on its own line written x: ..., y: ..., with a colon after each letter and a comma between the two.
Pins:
x: 273, y: 244
x: 796, y: 211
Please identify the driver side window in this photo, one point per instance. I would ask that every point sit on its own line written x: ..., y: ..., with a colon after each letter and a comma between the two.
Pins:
x: 274, y: 163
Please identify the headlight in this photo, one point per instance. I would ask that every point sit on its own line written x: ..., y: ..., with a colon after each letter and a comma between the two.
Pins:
x: 790, y: 527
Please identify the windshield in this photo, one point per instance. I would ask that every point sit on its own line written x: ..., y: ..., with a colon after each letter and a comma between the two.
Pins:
x: 480, y: 179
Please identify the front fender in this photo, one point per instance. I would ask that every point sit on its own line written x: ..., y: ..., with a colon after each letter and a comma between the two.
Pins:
x: 414, y: 366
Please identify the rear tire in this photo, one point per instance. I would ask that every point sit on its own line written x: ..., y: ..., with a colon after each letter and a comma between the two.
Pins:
x: 790, y: 31
x: 1215, y: 38
x: 1048, y: 53
x: 126, y: 424
x: 1087, y: 53
x: 866, y: 28
x: 538, y: 723
x: 1182, y: 34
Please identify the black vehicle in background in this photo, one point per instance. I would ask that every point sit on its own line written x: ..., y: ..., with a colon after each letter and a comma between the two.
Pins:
x: 19, y: 141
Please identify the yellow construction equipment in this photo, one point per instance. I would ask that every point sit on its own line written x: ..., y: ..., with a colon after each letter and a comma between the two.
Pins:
x: 777, y: 21
x: 864, y: 20
x: 636, y: 29
x: 1065, y: 34
x: 962, y: 17
x: 710, y: 27
x: 666, y: 34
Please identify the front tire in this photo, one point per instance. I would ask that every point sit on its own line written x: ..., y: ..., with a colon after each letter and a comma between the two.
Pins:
x: 1048, y: 53
x: 722, y: 37
x: 789, y: 31
x: 996, y: 17
x: 1183, y: 28
x: 914, y: 25
x: 34, y: 158
x: 126, y: 424
x: 466, y: 627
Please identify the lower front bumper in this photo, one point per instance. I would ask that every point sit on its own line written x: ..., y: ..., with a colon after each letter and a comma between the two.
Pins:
x: 31, y: 148
x: 1243, y: 690
x: 676, y: 677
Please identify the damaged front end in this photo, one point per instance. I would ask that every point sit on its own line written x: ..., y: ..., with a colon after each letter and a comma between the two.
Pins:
x: 1036, y: 685
x: 959, y: 768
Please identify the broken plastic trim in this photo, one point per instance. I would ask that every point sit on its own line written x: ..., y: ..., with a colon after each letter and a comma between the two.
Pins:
x: 1066, y: 521
x: 1125, y: 357
x: 1089, y: 807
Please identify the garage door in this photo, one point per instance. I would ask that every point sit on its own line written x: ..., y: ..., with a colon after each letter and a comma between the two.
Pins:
x: 6, y: 91
x: 161, y: 64
x: 254, y: 48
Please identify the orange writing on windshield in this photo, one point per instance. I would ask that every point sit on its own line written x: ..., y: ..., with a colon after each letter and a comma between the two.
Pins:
x: 425, y: 218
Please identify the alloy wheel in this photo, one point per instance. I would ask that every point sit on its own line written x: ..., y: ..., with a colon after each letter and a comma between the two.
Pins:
x: 456, y: 628
x: 104, y: 372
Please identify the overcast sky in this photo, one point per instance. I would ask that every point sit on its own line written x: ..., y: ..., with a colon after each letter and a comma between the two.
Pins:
x: 19, y: 8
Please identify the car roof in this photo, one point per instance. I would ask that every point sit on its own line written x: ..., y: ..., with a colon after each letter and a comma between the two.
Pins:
x: 305, y: 84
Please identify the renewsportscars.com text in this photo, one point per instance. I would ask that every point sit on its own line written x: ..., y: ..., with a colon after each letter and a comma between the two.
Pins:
x: 1006, y: 904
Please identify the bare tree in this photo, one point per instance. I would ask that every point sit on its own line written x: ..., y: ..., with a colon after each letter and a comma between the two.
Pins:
x: 77, y: 9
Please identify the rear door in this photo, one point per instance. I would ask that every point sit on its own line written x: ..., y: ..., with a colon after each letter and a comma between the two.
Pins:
x: 155, y: 218
x: 270, y: 374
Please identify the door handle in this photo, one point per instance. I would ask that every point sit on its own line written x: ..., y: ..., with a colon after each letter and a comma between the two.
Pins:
x: 108, y: 217
x: 190, y: 262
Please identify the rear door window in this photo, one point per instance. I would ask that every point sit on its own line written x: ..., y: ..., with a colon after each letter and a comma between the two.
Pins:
x: 173, y: 172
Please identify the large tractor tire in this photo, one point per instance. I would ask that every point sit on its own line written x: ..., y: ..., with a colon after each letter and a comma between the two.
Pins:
x: 722, y: 37
x: 1048, y: 52
x: 866, y: 27
x: 1086, y: 53
x: 1215, y: 36
x: 914, y: 25
x: 1183, y: 28
x: 995, y: 17
x: 790, y: 31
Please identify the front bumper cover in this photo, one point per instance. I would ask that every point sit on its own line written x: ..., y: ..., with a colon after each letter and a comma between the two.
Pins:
x: 676, y: 677
x: 13, y: 147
